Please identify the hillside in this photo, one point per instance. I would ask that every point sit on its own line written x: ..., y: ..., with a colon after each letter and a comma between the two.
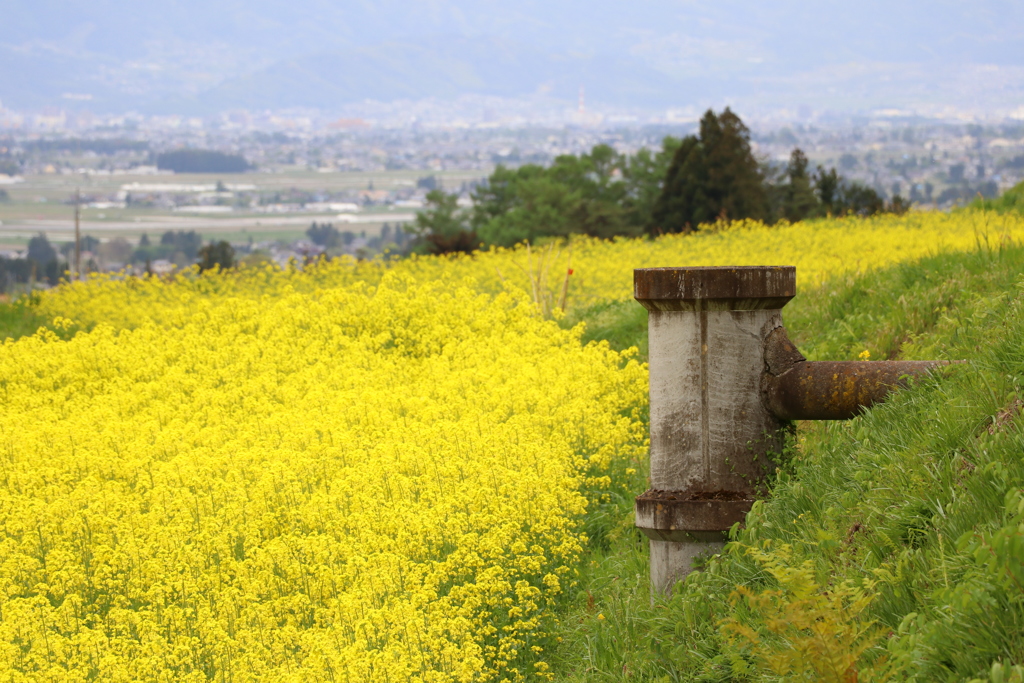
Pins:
x: 602, y: 270
x: 1012, y: 200
x: 891, y: 545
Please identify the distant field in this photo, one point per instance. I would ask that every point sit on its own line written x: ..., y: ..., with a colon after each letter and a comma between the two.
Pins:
x: 42, y: 203
x: 234, y: 228
x: 60, y: 186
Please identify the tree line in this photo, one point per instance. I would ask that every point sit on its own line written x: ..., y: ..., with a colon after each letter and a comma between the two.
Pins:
x: 702, y: 178
x: 201, y: 161
x: 334, y: 241
x: 185, y: 246
x: 43, y: 263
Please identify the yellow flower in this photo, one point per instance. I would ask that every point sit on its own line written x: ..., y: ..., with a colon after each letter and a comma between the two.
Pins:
x: 355, y: 470
x: 344, y: 479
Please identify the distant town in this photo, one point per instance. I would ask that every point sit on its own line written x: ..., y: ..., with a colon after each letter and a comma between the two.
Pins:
x: 367, y: 176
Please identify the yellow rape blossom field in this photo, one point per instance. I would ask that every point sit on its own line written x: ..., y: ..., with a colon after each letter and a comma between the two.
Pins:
x: 367, y: 484
x: 344, y: 472
x: 602, y: 270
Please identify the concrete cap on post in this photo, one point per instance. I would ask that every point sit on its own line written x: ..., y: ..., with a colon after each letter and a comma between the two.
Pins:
x: 735, y: 288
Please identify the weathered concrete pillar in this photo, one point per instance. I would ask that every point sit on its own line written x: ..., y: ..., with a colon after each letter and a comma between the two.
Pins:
x: 711, y: 434
x: 725, y: 379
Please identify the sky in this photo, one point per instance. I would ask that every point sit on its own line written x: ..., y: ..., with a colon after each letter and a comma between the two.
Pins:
x: 187, y: 56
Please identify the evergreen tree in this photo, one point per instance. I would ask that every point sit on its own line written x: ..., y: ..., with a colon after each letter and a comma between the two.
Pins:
x: 799, y: 200
x: 827, y: 188
x: 187, y: 243
x: 735, y: 184
x: 42, y: 260
x: 323, y: 234
x: 860, y: 200
x: 444, y: 226
x: 683, y: 203
x: 712, y: 176
x: 40, y: 250
x: 220, y: 254
x: 839, y: 197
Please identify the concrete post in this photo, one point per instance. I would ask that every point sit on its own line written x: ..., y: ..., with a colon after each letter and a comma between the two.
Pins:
x: 725, y: 378
x: 711, y: 434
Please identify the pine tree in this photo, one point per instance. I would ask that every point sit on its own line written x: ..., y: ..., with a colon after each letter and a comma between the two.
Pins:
x: 40, y: 250
x: 711, y: 177
x: 735, y: 184
x: 827, y: 185
x: 217, y: 254
x: 799, y: 201
x: 682, y: 203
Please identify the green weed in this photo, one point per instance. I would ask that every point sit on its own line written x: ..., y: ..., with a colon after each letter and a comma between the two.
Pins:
x: 890, y: 548
x: 622, y: 324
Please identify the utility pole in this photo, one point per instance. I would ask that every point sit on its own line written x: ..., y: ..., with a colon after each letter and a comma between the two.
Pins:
x: 78, y: 240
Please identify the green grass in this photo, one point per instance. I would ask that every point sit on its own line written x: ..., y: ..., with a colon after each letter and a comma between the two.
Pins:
x: 914, y: 508
x: 621, y: 323
x: 1011, y: 200
x: 19, y: 318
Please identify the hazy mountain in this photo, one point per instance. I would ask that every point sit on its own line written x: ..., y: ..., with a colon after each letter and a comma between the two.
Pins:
x: 186, y: 54
x: 442, y: 68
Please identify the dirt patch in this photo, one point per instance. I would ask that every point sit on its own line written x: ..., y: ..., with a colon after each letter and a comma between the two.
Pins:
x: 854, y: 530
x: 1004, y: 418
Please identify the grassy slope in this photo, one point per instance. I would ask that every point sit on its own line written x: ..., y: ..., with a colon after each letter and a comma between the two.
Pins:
x: 914, y: 506
x: 19, y: 319
x: 1011, y: 200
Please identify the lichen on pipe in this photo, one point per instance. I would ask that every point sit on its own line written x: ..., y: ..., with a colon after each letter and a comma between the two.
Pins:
x: 795, y: 388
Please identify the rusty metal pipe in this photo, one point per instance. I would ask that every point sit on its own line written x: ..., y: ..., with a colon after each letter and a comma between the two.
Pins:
x: 794, y: 388
x: 838, y: 390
